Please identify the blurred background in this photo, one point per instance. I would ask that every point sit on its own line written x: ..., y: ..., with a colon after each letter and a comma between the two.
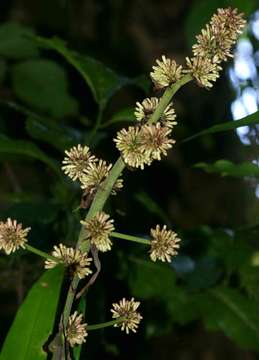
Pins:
x: 205, y: 304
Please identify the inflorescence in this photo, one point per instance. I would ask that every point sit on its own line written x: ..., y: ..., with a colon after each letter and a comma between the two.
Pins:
x: 77, y: 261
x: 127, y: 310
x: 139, y: 145
x: 12, y: 236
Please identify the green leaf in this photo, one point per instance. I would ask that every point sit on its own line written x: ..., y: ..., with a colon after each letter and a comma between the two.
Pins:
x: 145, y: 279
x: 249, y: 120
x: 49, y: 131
x: 43, y: 85
x: 15, y: 42
x: 102, y: 81
x: 35, y: 319
x: 227, y: 168
x: 26, y: 148
x: 124, y: 115
x: 237, y: 316
x: 33, y: 212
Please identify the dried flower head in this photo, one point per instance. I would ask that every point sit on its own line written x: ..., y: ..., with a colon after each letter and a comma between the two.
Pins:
x: 98, y: 230
x: 155, y: 140
x: 76, y: 330
x: 166, y: 72
x: 12, y: 236
x: 76, y: 260
x: 128, y: 142
x: 126, y: 309
x: 164, y: 244
x: 216, y: 40
x: 229, y: 20
x: 144, y: 111
x: 76, y: 161
x: 203, y: 70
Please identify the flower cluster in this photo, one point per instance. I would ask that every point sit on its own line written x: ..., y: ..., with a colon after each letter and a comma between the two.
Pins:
x: 74, y: 259
x: 214, y: 45
x: 75, y: 332
x: 98, y: 230
x: 145, y: 110
x: 80, y: 164
x: 164, y: 244
x: 140, y: 145
x: 127, y: 311
x: 12, y: 236
x: 165, y: 73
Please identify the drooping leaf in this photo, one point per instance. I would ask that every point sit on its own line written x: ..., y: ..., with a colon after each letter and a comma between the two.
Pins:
x: 237, y: 316
x: 26, y: 148
x: 227, y: 168
x: 34, y: 320
x: 15, y: 42
x: 249, y: 120
x: 60, y: 136
x: 102, y: 81
x: 43, y: 85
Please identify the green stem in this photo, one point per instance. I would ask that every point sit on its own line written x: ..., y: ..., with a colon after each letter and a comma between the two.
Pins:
x: 104, y: 192
x: 105, y: 324
x: 40, y: 253
x: 130, y: 238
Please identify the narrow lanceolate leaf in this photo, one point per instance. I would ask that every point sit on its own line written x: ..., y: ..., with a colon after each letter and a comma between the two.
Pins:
x: 227, y: 168
x: 26, y: 148
x: 249, y: 120
x: 35, y: 319
x: 102, y: 81
x: 236, y: 315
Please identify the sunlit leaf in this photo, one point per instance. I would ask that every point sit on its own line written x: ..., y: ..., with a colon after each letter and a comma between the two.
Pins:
x: 34, y: 320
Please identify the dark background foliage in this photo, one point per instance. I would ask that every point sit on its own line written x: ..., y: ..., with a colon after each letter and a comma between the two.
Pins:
x: 205, y: 305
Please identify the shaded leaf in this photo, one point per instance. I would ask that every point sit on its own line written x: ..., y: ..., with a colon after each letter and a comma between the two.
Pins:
x: 43, y: 85
x: 15, y: 42
x: 124, y: 115
x: 102, y: 81
x: 60, y: 136
x: 145, y: 279
x: 237, y: 316
x: 26, y: 148
x: 227, y: 168
x: 151, y: 206
x: 33, y: 212
x: 35, y: 319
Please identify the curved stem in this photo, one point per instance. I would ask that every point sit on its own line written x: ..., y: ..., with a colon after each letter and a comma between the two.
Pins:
x: 130, y: 238
x: 103, y: 193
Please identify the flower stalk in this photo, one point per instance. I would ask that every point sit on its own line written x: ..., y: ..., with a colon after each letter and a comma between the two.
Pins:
x: 130, y: 238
